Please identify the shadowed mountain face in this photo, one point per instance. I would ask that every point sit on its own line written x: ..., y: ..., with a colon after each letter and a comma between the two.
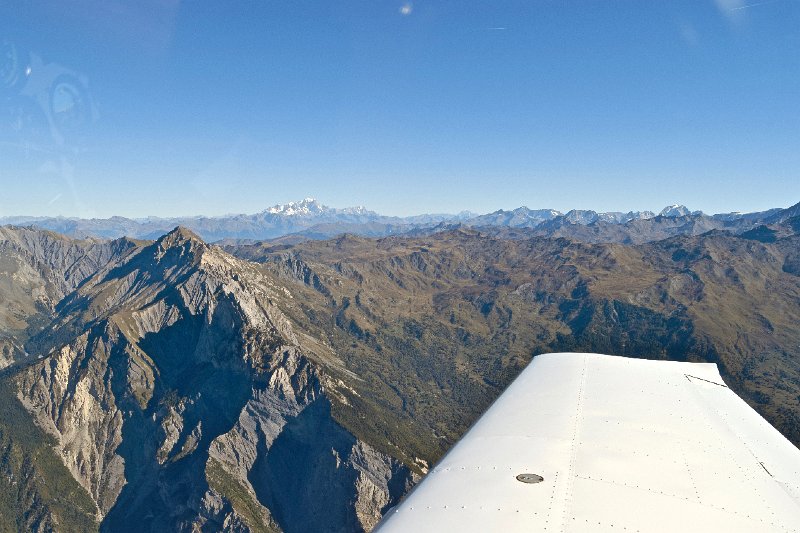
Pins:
x: 173, y: 385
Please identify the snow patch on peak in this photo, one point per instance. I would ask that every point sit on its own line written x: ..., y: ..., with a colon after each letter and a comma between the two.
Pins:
x: 311, y: 208
x: 581, y: 216
x: 307, y: 206
x: 676, y: 210
x: 358, y: 210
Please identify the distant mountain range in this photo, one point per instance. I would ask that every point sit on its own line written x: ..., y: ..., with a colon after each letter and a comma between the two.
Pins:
x: 310, y: 220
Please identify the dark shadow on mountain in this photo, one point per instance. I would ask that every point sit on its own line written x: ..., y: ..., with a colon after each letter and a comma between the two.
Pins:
x: 302, y: 477
x: 199, y: 363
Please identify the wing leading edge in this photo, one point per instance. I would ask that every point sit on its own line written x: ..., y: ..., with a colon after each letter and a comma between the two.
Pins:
x: 620, y: 445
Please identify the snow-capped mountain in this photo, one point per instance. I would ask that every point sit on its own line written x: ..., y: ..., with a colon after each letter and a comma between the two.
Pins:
x: 618, y: 217
x: 581, y: 216
x: 310, y: 207
x: 676, y: 210
x: 306, y: 207
x: 521, y: 217
x: 586, y: 216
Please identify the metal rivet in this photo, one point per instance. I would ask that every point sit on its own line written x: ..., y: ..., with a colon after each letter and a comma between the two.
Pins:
x: 530, y: 478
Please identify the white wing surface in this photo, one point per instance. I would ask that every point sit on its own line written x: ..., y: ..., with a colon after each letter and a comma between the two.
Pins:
x: 621, y: 445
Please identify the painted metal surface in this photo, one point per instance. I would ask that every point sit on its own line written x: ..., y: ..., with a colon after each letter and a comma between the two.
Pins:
x: 622, y: 445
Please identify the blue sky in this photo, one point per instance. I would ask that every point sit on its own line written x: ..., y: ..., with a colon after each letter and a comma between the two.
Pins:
x: 405, y: 107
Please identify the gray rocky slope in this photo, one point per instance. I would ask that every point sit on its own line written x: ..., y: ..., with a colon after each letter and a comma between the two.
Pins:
x: 180, y: 398
x: 37, y: 270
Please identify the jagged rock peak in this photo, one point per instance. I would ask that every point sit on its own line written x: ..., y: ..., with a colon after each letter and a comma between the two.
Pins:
x: 179, y: 236
x: 180, y: 243
x: 790, y: 212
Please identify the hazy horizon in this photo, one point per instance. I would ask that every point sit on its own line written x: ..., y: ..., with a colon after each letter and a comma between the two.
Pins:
x: 369, y: 208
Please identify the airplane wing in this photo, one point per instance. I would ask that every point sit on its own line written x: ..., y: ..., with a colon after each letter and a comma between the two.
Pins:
x: 589, y: 442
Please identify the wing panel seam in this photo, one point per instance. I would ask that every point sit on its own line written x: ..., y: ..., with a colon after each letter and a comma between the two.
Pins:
x: 570, y: 477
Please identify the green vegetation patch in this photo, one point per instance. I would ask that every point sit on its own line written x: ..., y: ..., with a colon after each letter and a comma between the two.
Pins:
x: 240, y: 498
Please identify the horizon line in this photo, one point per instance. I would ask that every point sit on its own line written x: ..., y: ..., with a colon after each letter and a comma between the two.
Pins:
x: 310, y: 199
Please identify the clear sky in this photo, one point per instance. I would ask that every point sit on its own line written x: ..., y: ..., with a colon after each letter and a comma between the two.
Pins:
x: 205, y: 107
